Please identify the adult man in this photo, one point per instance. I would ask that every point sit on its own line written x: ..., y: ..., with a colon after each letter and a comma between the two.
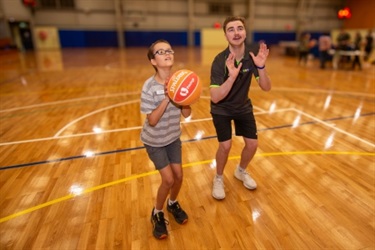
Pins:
x: 231, y: 74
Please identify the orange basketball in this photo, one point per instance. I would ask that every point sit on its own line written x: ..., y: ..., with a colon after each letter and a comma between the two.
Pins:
x: 184, y: 87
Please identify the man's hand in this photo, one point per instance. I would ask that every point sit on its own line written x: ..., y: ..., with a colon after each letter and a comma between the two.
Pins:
x: 233, y: 71
x: 261, y: 57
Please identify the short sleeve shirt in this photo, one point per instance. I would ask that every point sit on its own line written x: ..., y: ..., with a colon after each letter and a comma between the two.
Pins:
x: 237, y: 101
x: 167, y: 130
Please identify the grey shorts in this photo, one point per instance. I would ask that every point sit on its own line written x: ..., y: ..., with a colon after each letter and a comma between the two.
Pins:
x: 163, y: 156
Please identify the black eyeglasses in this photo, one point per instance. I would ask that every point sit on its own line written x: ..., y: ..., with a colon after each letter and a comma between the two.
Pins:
x: 164, y: 52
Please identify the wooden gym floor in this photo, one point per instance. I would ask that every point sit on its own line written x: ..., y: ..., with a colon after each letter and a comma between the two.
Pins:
x: 74, y: 173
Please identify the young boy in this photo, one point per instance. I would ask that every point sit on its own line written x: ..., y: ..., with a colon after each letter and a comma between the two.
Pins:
x: 161, y: 136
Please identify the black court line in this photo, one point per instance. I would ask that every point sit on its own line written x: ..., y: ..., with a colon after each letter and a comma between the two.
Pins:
x: 142, y: 147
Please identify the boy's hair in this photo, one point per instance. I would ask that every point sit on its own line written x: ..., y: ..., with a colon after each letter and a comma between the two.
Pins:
x: 232, y: 19
x: 150, y: 53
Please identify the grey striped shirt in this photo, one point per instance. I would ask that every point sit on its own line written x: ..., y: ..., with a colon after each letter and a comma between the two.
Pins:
x: 167, y: 130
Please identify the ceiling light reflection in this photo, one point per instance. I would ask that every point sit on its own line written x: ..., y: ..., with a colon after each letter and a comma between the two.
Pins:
x: 89, y: 153
x: 97, y: 130
x: 213, y: 164
x: 199, y: 135
x: 357, y: 113
x: 76, y: 190
x: 327, y: 102
x: 272, y: 107
x: 188, y: 119
x: 329, y: 141
x: 296, y: 121
x: 255, y: 214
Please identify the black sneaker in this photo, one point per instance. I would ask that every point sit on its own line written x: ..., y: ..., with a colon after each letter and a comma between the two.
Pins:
x: 159, y: 225
x: 179, y: 214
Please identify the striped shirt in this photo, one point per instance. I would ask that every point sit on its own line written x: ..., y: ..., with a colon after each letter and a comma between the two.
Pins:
x: 167, y: 130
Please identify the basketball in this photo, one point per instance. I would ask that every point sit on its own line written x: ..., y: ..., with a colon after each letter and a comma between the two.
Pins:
x: 184, y: 87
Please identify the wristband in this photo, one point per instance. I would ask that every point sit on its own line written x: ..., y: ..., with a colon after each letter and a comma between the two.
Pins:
x: 260, y: 67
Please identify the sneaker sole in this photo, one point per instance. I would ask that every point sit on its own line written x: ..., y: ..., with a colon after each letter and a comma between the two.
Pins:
x: 163, y: 236
x: 179, y: 222
x: 182, y: 222
x: 159, y: 237
x: 251, y: 188
x: 218, y: 198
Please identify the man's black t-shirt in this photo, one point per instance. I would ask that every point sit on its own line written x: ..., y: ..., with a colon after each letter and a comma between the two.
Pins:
x: 237, y: 101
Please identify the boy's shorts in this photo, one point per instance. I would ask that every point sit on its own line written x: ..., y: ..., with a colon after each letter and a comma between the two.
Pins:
x: 163, y: 156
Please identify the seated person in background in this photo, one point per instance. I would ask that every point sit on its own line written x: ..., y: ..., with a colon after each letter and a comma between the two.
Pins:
x: 343, y: 43
x: 303, y: 48
x: 325, y: 44
x: 343, y: 40
x: 357, y: 46
x: 369, y: 44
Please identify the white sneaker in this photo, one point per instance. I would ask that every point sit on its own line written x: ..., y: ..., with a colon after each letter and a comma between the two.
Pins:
x: 218, y: 188
x: 245, y: 177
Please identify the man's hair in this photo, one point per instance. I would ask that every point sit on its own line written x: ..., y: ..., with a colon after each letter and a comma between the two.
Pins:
x: 232, y: 19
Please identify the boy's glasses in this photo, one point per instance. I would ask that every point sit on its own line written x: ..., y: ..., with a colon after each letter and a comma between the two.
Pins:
x: 164, y: 52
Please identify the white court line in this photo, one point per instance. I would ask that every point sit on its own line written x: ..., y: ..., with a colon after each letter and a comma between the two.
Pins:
x: 328, y: 91
x: 197, y: 120
x: 104, y: 131
x: 203, y: 97
x: 116, y: 130
x: 67, y: 101
x: 334, y: 127
x: 92, y: 113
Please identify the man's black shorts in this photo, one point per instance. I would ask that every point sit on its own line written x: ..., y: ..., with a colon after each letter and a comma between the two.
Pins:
x: 244, y: 125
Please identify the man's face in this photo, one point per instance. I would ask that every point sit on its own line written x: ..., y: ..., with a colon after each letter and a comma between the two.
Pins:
x: 235, y: 33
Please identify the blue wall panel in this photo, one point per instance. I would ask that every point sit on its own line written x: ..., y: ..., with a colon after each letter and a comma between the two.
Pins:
x: 101, y: 38
x: 84, y: 39
x: 272, y: 38
x: 145, y: 38
x: 72, y: 38
x: 87, y: 39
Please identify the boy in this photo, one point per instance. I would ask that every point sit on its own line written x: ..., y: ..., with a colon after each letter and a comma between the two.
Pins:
x: 161, y: 136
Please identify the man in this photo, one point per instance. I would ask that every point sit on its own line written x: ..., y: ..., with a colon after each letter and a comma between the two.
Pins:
x: 231, y: 74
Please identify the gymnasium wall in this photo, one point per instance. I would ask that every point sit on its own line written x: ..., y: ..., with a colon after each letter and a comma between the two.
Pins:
x: 93, y: 23
x: 363, y: 15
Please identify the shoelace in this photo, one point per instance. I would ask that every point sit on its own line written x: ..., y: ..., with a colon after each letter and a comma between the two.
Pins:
x: 218, y: 181
x: 159, y: 220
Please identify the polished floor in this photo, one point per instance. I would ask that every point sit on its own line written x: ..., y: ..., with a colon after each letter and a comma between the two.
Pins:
x: 75, y: 175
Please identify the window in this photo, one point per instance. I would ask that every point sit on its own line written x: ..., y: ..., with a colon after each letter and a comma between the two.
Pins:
x: 220, y: 8
x: 57, y: 4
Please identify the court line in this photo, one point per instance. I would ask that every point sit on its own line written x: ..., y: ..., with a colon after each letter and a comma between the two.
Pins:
x: 113, y: 130
x: 108, y: 184
x: 92, y: 113
x: 334, y: 127
x: 67, y: 101
x: 328, y: 91
x: 140, y: 127
x: 203, y: 97
x: 106, y: 108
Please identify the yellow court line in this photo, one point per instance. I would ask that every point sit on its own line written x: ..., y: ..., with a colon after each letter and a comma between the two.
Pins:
x: 89, y: 190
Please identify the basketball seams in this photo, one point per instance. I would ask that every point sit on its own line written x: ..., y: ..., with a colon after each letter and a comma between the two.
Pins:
x: 187, y: 76
x: 184, y: 87
x: 182, y: 80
